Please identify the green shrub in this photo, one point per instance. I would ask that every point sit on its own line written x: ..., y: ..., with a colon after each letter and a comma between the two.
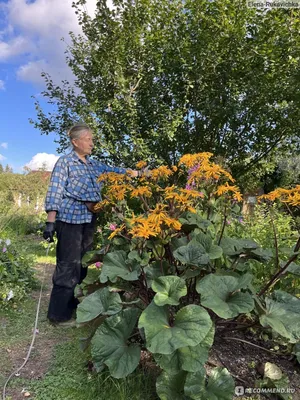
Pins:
x: 266, y: 222
x: 21, y: 221
x: 16, y: 273
x: 259, y: 227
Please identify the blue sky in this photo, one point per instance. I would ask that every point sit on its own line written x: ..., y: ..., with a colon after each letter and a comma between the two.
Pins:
x: 30, y: 42
x: 19, y: 140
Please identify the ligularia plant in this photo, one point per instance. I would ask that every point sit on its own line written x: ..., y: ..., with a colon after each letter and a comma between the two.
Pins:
x: 170, y: 275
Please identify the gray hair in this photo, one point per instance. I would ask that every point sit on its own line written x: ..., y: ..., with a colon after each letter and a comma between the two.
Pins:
x: 77, y: 130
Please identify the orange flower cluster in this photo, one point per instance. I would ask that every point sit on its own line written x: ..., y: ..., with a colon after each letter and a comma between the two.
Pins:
x: 191, y: 160
x: 141, y: 191
x: 114, y: 178
x: 117, y: 192
x: 183, y: 199
x: 203, y: 168
x: 154, y: 223
x: 141, y: 164
x: 229, y: 188
x: 162, y: 206
x: 289, y: 196
x: 163, y: 172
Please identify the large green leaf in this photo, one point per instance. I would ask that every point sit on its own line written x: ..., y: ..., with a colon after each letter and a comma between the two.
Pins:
x: 233, y: 246
x: 199, y: 251
x: 221, y: 293
x: 93, y: 256
x: 192, y: 254
x: 190, y: 221
x: 171, y: 387
x: 293, y: 268
x: 101, y: 302
x: 191, y: 325
x: 261, y: 254
x: 178, y: 242
x: 142, y: 259
x: 169, y: 289
x: 189, y: 359
x: 110, y: 347
x: 283, y: 315
x: 296, y: 351
x: 248, y: 244
x: 155, y: 270
x: 190, y: 272
x: 116, y: 265
x: 220, y: 385
x: 206, y: 242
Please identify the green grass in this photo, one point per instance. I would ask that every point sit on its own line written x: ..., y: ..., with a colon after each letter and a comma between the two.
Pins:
x: 69, y: 379
x: 37, y: 247
x: 67, y: 376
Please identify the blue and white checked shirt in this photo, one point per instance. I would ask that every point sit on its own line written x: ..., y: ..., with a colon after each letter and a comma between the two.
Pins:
x: 72, y: 183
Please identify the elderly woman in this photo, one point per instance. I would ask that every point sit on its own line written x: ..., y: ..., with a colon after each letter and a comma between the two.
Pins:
x: 69, y: 203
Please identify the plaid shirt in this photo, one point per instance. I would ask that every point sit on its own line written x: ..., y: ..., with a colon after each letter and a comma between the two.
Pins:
x: 72, y: 183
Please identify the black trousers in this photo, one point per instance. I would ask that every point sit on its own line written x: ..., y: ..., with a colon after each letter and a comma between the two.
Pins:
x: 73, y: 241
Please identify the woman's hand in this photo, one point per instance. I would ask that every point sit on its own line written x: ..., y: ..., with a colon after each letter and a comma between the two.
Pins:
x: 49, y: 231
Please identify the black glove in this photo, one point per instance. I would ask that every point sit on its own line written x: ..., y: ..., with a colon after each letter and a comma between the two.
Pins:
x: 49, y: 231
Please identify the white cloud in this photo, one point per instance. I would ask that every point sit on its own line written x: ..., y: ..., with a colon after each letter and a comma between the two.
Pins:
x: 42, y: 161
x: 2, y: 157
x: 33, y: 33
x: 2, y: 85
x: 32, y: 71
x: 15, y: 47
x: 4, y: 145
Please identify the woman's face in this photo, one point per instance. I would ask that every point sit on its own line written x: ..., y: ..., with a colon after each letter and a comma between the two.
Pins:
x: 84, y: 145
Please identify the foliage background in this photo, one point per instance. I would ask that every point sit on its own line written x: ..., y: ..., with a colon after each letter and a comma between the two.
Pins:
x: 159, y: 79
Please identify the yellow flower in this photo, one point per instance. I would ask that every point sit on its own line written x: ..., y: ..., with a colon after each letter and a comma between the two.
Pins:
x: 222, y: 189
x: 141, y: 164
x: 116, y: 232
x: 289, y: 196
x: 208, y: 171
x: 162, y: 172
x: 173, y: 223
x: 190, y: 160
x: 117, y: 191
x: 174, y: 168
x: 157, y: 215
x: 191, y: 193
x: 101, y: 205
x: 143, y: 231
x: 141, y: 191
x: 111, y: 177
x: 144, y: 228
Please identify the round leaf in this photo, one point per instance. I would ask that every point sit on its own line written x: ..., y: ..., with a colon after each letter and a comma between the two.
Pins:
x: 155, y: 270
x: 189, y: 359
x: 283, y: 315
x: 115, y: 266
x: 169, y: 290
x: 192, y: 254
x: 110, y: 347
x: 171, y: 387
x: 221, y: 293
x: 191, y: 325
x: 220, y: 385
x: 101, y: 302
